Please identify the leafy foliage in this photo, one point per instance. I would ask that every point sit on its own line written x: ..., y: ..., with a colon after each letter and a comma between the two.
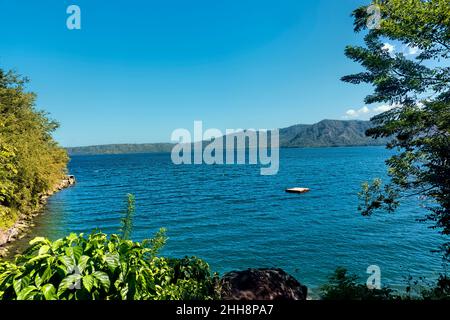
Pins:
x: 31, y: 162
x: 127, y: 220
x: 345, y: 286
x: 99, y: 267
x: 440, y: 292
x: 418, y: 88
x: 373, y: 197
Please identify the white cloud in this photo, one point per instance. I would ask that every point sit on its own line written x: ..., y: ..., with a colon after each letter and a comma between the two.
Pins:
x: 389, y: 48
x: 413, y: 50
x: 351, y: 113
x: 383, y: 108
x: 366, y: 113
x: 364, y: 110
x: 406, y: 50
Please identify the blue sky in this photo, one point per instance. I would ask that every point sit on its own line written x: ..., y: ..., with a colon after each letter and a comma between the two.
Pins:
x: 137, y: 70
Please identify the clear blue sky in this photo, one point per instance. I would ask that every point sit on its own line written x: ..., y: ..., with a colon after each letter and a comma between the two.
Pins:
x: 137, y: 70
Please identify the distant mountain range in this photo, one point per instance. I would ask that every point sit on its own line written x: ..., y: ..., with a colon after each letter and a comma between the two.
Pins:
x: 326, y: 133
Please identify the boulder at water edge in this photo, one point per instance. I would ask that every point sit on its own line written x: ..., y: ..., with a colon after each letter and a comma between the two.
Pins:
x: 261, y: 284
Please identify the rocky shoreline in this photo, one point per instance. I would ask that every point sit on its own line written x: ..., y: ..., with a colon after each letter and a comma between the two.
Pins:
x: 25, y: 221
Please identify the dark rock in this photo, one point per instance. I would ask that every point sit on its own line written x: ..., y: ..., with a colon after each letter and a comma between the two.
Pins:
x: 261, y: 284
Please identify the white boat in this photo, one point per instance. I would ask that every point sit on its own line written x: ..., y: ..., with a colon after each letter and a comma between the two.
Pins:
x: 298, y: 190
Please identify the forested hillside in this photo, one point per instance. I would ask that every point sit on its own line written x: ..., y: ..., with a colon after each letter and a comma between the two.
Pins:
x: 326, y: 133
x: 31, y: 162
x: 329, y: 133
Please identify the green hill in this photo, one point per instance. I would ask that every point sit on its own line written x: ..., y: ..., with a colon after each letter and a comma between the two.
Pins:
x: 326, y: 133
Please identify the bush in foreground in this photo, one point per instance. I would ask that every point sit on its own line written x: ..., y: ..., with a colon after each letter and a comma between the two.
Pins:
x: 101, y: 267
x: 345, y: 286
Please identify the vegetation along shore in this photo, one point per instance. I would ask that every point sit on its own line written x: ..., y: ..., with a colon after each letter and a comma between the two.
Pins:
x: 32, y: 164
x: 25, y: 221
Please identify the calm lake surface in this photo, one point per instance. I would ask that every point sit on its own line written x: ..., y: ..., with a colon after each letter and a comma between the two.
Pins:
x: 235, y: 218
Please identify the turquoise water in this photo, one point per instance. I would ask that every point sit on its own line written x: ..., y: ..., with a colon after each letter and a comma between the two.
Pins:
x: 235, y: 218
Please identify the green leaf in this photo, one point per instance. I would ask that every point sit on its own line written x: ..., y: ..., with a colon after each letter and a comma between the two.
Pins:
x: 20, y: 283
x: 44, y: 249
x: 49, y: 292
x: 47, y: 274
x: 38, y: 280
x: 69, y: 283
x: 57, y: 244
x: 82, y: 263
x: 38, y: 258
x: 27, y: 293
x: 88, y: 282
x: 103, y: 278
x: 124, y: 292
x: 40, y: 240
x: 72, y: 237
x: 112, y: 260
x: 67, y: 261
x: 75, y: 252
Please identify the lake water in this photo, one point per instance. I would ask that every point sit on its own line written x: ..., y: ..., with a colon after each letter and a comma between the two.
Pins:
x: 234, y: 218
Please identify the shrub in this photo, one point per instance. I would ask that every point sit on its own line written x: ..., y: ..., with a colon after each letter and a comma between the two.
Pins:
x: 440, y: 292
x: 345, y: 286
x: 101, y: 267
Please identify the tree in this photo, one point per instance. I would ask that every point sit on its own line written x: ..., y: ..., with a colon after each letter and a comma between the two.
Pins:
x: 418, y: 89
x: 31, y: 162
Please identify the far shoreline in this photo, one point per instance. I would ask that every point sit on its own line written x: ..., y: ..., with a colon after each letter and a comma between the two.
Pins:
x: 281, y: 148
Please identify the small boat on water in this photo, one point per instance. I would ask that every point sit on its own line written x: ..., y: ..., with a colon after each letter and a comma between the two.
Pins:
x: 298, y: 190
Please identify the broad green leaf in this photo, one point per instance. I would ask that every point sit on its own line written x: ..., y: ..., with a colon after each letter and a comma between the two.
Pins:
x: 37, y: 280
x: 75, y: 252
x: 49, y: 292
x: 6, y: 279
x: 44, y: 249
x: 38, y: 258
x: 57, y: 244
x: 88, y: 282
x: 20, y: 283
x: 47, y: 274
x: 111, y: 246
x: 40, y: 240
x: 112, y: 260
x: 82, y: 263
x: 124, y: 292
x: 67, y: 261
x: 70, y: 282
x: 102, y: 278
x: 72, y: 237
x: 27, y: 293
